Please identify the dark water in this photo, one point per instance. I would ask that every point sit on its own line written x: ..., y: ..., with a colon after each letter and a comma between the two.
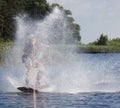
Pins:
x: 54, y: 100
x: 103, y: 72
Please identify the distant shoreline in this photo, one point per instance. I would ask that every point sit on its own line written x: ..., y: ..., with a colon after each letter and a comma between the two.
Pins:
x: 98, y: 52
x: 98, y: 49
x: 82, y: 48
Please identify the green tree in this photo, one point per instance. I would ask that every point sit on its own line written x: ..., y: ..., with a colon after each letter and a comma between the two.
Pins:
x: 36, y: 8
x: 68, y: 12
x: 10, y: 8
x: 102, y: 40
x: 55, y: 4
x: 116, y: 39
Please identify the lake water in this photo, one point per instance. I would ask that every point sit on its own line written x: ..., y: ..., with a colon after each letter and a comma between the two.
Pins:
x: 94, y: 82
x: 54, y: 100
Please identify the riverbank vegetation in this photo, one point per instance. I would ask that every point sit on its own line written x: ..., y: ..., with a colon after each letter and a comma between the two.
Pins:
x: 101, y: 45
x: 4, y: 46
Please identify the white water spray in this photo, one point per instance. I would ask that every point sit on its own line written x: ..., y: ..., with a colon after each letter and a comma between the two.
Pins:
x: 62, y: 69
x: 40, y: 46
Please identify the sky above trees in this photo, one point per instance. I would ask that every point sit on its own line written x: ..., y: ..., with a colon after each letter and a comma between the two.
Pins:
x: 95, y: 17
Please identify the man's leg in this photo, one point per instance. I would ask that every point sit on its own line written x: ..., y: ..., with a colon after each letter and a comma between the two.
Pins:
x: 38, y: 78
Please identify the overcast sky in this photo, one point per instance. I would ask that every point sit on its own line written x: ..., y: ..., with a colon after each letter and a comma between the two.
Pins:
x: 94, y: 16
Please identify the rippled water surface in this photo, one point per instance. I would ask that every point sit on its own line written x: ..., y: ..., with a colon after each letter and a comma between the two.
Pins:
x: 56, y: 100
x: 94, y: 82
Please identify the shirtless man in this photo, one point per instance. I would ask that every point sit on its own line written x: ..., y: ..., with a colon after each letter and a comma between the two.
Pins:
x: 31, y: 61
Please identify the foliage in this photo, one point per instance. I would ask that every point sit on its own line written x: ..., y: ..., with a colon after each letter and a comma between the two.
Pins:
x: 102, y: 40
x: 94, y: 49
x: 36, y: 8
x: 68, y: 12
x: 113, y: 46
x: 10, y: 8
x: 70, y: 19
x: 114, y: 42
x: 56, y: 5
x: 4, y: 46
x: 75, y: 28
x: 98, y: 49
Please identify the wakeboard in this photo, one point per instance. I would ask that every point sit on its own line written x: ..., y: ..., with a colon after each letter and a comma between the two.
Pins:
x: 27, y: 90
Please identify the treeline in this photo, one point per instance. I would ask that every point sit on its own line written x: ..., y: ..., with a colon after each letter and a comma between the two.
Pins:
x: 102, y: 45
x: 103, y: 40
x: 34, y: 8
x: 10, y: 8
